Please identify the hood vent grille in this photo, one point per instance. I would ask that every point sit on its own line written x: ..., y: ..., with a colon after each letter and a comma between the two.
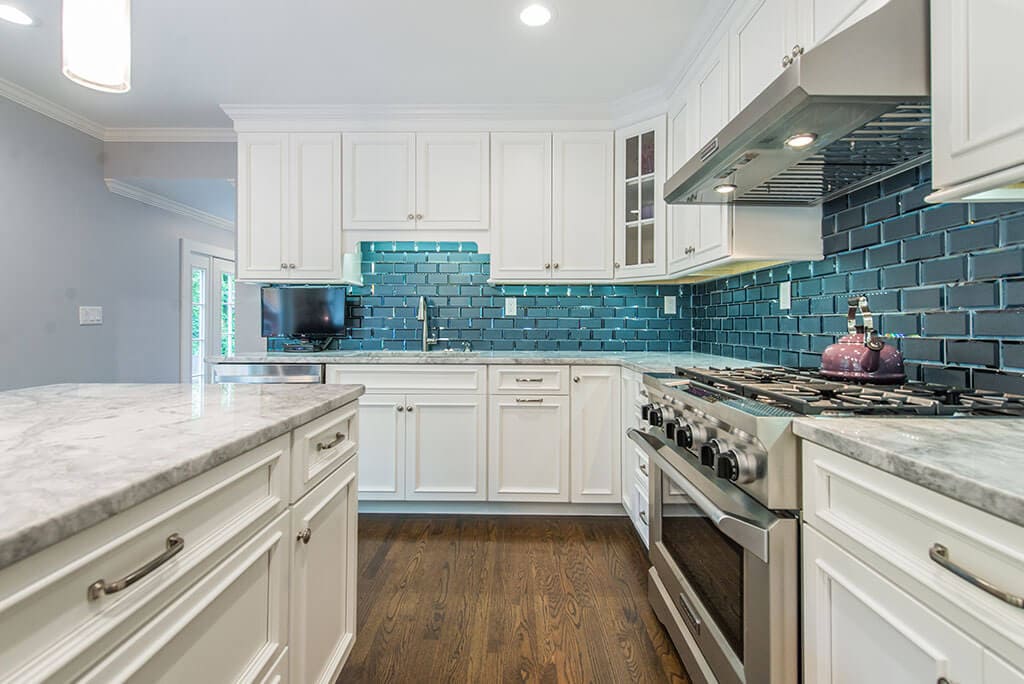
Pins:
x: 891, y: 143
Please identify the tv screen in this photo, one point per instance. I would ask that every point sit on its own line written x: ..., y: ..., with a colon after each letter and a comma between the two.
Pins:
x: 303, y: 311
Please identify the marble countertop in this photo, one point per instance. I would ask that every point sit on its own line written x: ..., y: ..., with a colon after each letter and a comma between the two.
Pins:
x: 639, y: 361
x: 978, y: 461
x: 72, y: 456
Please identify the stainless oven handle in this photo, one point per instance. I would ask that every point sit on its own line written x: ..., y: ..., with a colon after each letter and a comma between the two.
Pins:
x: 751, y: 537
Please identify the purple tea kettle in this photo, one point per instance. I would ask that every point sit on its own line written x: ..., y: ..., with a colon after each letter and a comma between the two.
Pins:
x: 862, y: 356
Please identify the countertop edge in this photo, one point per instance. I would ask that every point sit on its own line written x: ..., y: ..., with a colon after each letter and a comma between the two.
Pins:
x: 32, y: 539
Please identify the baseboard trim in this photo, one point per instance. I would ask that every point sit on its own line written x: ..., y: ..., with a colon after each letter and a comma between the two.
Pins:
x: 490, y: 508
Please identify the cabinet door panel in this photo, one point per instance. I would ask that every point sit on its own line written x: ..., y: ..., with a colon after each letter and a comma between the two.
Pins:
x: 821, y: 19
x: 850, y: 611
x: 583, y: 239
x: 640, y: 209
x: 315, y: 228
x: 452, y: 181
x: 760, y: 38
x: 528, y: 455
x: 684, y: 220
x: 379, y: 181
x: 323, y: 581
x: 998, y: 671
x: 382, y: 446
x: 595, y: 434
x: 263, y: 212
x: 446, y: 447
x: 711, y: 97
x: 520, y: 206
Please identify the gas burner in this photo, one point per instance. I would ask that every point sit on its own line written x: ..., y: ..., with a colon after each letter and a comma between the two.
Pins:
x: 804, y: 391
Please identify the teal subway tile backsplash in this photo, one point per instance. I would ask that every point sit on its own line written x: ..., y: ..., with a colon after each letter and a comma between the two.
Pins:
x: 464, y: 307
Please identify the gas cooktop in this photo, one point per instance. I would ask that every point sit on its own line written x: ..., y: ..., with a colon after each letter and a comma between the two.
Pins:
x: 805, y: 391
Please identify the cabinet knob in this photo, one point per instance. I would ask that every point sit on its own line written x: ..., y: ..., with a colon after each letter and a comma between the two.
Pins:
x: 304, y: 535
x: 555, y: 266
x: 291, y: 265
x: 576, y: 379
x: 786, y: 61
x: 409, y: 409
x: 410, y: 217
x: 419, y: 217
x: 399, y: 408
x: 797, y: 51
x: 284, y: 265
x: 547, y: 266
x: 617, y: 265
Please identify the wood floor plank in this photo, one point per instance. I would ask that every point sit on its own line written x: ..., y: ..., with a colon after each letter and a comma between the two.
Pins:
x: 505, y: 599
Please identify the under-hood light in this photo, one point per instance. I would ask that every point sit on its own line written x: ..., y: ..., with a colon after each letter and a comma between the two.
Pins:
x: 725, y: 188
x: 800, y: 140
x: 97, y: 44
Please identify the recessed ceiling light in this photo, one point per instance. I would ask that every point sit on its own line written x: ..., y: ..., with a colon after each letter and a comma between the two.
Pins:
x: 15, y: 16
x: 725, y: 188
x: 535, y: 15
x: 799, y: 140
x: 96, y: 39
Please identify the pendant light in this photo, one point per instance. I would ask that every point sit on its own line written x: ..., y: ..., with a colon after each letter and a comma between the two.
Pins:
x: 97, y: 44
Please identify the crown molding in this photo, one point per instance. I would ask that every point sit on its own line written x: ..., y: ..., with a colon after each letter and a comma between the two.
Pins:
x: 160, y: 202
x: 183, y: 135
x: 38, y: 103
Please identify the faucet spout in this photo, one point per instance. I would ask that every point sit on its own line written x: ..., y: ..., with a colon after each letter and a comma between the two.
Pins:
x: 421, y: 315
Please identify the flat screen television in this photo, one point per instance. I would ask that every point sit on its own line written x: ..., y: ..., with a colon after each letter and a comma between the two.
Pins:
x: 303, y: 311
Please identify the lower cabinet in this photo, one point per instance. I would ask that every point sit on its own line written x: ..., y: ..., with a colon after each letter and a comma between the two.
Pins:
x: 323, y: 578
x: 528, y: 455
x: 596, y: 434
x: 382, y: 447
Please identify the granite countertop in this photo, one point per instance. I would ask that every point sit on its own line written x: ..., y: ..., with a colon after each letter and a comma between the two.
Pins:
x: 978, y: 461
x: 639, y: 361
x: 72, y: 456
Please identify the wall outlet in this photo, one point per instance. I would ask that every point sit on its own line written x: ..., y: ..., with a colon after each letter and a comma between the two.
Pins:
x: 670, y: 305
x: 90, y: 315
x: 510, y: 306
x: 785, y: 296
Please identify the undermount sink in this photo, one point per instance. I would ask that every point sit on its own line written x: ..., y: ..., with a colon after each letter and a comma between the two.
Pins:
x: 447, y: 353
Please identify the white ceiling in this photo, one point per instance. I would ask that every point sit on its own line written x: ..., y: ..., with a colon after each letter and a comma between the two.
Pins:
x: 190, y: 56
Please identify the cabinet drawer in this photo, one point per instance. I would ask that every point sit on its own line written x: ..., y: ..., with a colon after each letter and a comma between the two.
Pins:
x: 318, y: 448
x: 643, y: 468
x: 895, y: 525
x: 641, y: 513
x: 404, y: 378
x: 529, y: 379
x: 49, y: 625
x: 231, y: 626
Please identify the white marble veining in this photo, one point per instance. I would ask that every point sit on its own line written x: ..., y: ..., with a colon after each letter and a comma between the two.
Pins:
x: 74, y: 455
x: 639, y: 361
x: 978, y: 461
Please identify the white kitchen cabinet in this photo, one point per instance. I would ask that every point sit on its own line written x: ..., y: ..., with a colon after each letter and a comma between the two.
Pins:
x: 323, y: 578
x: 977, y: 118
x: 763, y: 32
x: 446, y: 447
x: 640, y: 209
x: 528, y: 454
x: 583, y: 238
x: 404, y: 181
x: 631, y: 385
x: 819, y: 20
x: 710, y: 235
x: 858, y: 627
x: 379, y: 181
x: 452, y: 181
x: 596, y: 434
x: 520, y: 206
x: 382, y: 447
x: 998, y: 671
x: 289, y: 207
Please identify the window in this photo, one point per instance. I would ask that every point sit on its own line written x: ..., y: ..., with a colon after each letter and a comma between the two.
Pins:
x: 208, y: 308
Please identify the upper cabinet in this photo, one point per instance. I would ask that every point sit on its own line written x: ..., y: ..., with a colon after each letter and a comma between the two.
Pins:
x: 552, y: 207
x: 640, y: 210
x: 403, y: 181
x: 977, y: 115
x: 819, y: 20
x: 289, y: 207
x: 764, y: 33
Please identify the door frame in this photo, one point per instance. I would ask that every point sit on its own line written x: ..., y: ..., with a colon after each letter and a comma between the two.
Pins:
x: 186, y: 249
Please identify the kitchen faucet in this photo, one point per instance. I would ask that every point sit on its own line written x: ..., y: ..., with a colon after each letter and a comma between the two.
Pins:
x: 421, y: 315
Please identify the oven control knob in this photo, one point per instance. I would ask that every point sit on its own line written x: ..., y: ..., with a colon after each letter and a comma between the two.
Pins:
x: 645, y: 411
x: 684, y: 436
x: 655, y: 417
x: 670, y: 429
x: 709, y: 452
x: 732, y: 466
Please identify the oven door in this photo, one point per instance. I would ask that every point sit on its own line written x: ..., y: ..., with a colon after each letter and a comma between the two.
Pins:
x: 725, y: 571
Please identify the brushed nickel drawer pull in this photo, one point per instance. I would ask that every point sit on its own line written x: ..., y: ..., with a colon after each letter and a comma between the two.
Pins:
x: 940, y: 554
x: 689, y: 613
x: 338, y: 439
x: 175, y: 545
x: 304, y: 535
x: 529, y: 379
x: 643, y: 469
x: 643, y: 517
x: 520, y: 400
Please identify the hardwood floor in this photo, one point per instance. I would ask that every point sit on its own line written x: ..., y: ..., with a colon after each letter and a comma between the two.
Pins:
x: 505, y: 599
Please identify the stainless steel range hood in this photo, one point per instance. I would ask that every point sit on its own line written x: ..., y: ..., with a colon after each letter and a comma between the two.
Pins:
x: 864, y: 93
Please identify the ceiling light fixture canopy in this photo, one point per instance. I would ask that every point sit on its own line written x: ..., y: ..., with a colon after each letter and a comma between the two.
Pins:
x: 15, y: 16
x: 535, y: 15
x: 97, y: 44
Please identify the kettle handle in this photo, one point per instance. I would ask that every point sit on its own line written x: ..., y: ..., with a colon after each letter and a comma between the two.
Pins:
x: 871, y: 339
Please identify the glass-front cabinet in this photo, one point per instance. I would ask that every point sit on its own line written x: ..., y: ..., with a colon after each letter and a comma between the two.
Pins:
x: 640, y: 214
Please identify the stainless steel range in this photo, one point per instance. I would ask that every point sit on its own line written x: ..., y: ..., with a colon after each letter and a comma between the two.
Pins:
x: 725, y: 575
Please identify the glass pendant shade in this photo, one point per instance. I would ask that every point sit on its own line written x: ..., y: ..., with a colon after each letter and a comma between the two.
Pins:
x: 97, y: 44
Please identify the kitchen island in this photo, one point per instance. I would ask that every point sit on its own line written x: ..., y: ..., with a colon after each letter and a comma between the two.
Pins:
x: 137, y: 517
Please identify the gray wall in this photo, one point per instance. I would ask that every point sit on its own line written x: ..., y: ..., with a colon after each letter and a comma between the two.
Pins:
x: 66, y: 241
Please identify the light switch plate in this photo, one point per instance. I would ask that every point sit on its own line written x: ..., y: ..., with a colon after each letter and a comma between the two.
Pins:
x: 785, y: 295
x: 670, y: 305
x: 510, y: 306
x: 90, y: 315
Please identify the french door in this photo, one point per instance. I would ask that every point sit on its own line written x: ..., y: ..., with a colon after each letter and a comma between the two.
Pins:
x: 207, y: 308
